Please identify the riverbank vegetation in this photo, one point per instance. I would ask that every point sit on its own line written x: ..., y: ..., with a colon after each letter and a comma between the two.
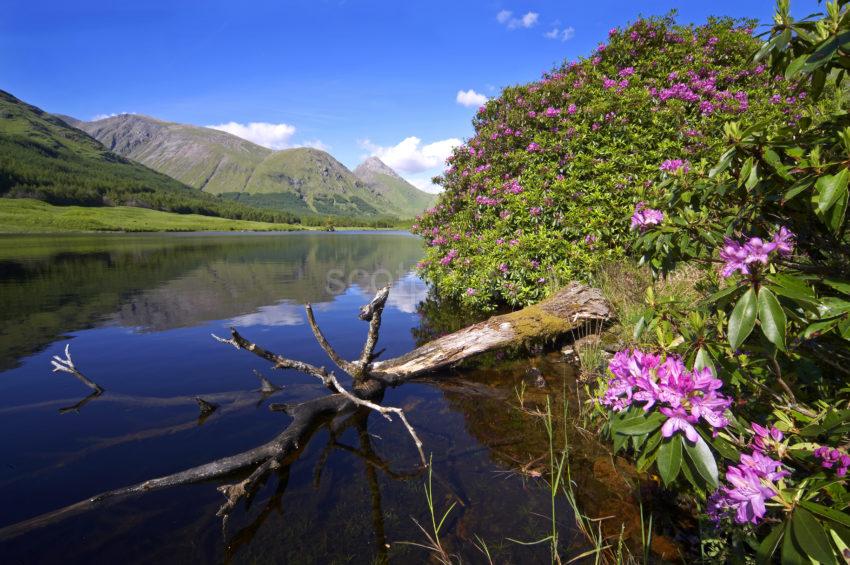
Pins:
x: 718, y: 163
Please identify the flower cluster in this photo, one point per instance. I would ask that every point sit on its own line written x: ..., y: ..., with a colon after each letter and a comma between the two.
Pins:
x: 683, y: 396
x: 675, y: 166
x: 525, y: 169
x: 740, y: 257
x: 752, y: 482
x: 768, y: 439
x: 644, y: 217
x: 833, y: 458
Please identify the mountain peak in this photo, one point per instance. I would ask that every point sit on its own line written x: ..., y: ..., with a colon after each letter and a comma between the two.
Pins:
x: 374, y: 165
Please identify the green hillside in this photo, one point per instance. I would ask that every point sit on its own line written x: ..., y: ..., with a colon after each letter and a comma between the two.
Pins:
x: 400, y: 193
x: 303, y: 181
x: 42, y: 157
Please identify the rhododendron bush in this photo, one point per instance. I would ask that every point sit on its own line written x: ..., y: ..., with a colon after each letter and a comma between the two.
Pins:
x: 767, y: 225
x: 546, y: 189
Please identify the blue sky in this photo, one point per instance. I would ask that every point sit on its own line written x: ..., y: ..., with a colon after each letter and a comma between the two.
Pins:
x: 356, y: 77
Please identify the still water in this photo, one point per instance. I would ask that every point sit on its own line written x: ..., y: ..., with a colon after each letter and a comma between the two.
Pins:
x: 138, y: 311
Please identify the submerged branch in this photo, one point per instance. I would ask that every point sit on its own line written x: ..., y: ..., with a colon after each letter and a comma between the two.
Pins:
x: 571, y: 307
x: 66, y: 365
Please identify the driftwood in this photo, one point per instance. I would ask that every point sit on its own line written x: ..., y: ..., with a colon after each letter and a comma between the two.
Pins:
x: 569, y: 309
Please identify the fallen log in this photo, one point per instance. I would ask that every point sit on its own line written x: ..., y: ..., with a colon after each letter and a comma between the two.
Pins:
x: 567, y: 310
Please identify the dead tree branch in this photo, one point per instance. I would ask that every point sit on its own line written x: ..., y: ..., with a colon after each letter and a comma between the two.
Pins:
x: 346, y: 366
x: 66, y: 365
x: 571, y: 307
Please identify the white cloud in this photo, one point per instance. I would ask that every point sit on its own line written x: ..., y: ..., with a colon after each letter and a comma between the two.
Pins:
x: 527, y: 20
x: 315, y: 144
x: 561, y: 34
x: 410, y: 156
x: 273, y: 136
x: 470, y: 98
x: 407, y: 293
x: 104, y: 116
x: 423, y: 181
x: 285, y: 313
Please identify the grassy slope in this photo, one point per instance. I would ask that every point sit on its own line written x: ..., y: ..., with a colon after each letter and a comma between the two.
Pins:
x: 43, y: 157
x: 30, y: 216
x: 403, y: 195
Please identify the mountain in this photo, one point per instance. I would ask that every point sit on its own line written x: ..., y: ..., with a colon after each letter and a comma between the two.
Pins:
x: 43, y: 157
x: 301, y: 180
x: 385, y: 181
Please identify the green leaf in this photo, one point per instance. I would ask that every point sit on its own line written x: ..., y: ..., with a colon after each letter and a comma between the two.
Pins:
x: 796, y: 189
x: 772, y: 318
x: 669, y: 459
x: 828, y: 513
x: 791, y: 554
x: 820, y: 327
x: 792, y: 287
x: 703, y: 460
x: 743, y: 319
x: 720, y: 294
x: 835, y: 217
x: 821, y: 55
x: 723, y: 163
x: 768, y: 545
x: 703, y: 360
x: 810, y: 536
x: 639, y: 327
x: 830, y: 189
x: 841, y: 286
x: 640, y: 425
x: 795, y: 66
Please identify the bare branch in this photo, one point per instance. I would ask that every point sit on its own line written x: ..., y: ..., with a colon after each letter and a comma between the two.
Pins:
x: 279, y: 361
x: 385, y: 411
x: 266, y: 386
x: 328, y: 379
x: 305, y: 418
x: 372, y: 312
x: 66, y: 365
x: 346, y: 366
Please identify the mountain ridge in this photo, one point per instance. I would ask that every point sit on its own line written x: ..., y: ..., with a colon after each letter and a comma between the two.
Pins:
x: 299, y: 180
x: 43, y: 157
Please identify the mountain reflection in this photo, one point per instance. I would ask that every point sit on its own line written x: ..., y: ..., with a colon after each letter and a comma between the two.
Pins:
x: 50, y: 286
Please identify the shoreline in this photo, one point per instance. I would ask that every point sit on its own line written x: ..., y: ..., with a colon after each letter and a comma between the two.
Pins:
x: 26, y: 216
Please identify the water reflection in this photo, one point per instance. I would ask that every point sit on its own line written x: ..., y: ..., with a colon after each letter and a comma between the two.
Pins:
x: 50, y: 286
x: 138, y: 311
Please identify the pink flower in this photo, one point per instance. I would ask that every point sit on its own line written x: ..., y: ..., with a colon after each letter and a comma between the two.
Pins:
x: 748, y: 495
x: 678, y: 420
x: 644, y: 217
x: 571, y: 109
x: 783, y: 241
x: 675, y: 166
x: 449, y: 257
x: 533, y: 147
x: 735, y: 257
x: 758, y: 251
